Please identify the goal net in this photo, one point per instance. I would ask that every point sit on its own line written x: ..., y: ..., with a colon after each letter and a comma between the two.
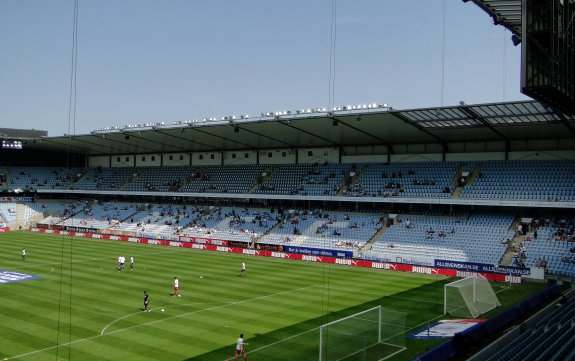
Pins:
x: 469, y: 297
x: 362, y: 336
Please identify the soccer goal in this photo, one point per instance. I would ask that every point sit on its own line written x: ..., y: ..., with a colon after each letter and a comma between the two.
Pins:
x: 469, y: 297
x: 361, y: 334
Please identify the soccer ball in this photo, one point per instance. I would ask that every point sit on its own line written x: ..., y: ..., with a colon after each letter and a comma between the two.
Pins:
x: 162, y: 310
x: 201, y: 276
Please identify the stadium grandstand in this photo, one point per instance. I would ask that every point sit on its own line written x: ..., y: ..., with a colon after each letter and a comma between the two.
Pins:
x: 457, y: 191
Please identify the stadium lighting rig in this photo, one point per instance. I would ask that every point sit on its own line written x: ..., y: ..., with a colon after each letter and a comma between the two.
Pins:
x: 12, y: 144
x: 276, y: 115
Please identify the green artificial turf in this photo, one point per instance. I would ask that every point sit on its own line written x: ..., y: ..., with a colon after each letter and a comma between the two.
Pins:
x: 82, y: 308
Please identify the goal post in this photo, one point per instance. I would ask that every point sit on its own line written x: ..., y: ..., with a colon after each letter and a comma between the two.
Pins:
x: 350, y: 335
x: 469, y: 297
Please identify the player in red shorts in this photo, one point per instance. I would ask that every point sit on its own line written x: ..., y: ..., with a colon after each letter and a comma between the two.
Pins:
x: 240, y: 348
x: 176, y: 287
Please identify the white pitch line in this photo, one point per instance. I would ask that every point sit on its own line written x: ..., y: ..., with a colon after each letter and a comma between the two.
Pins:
x: 393, y: 354
x: 63, y: 262
x: 426, y: 322
x: 153, y: 322
x: 157, y: 308
x: 381, y: 295
x: 94, y: 240
x: 280, y: 341
x: 317, y: 328
x: 51, y: 270
x: 365, y: 348
x: 297, y: 335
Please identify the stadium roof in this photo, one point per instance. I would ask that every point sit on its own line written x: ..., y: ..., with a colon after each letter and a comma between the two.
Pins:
x: 506, y: 122
x: 503, y: 12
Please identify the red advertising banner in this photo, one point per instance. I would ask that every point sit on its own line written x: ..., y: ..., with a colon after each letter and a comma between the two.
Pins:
x: 218, y: 245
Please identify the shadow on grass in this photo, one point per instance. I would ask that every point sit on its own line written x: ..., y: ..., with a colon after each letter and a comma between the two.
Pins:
x: 418, y: 306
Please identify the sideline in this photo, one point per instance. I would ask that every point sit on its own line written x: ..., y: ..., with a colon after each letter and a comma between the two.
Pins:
x: 153, y: 322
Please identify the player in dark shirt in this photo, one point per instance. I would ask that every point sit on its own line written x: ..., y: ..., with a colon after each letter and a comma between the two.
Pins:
x: 146, y: 301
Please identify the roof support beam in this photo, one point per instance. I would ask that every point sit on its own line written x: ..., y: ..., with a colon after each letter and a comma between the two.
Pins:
x: 474, y: 115
x: 108, y: 138
x: 443, y: 143
x: 383, y: 141
x: 566, y: 123
x: 186, y: 139
x: 246, y: 146
x: 287, y: 124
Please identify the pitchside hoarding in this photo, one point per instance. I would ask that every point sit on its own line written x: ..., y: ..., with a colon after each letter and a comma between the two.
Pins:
x: 318, y: 252
x: 482, y: 267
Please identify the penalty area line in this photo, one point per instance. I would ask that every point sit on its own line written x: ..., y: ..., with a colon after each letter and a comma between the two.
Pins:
x: 280, y: 341
x: 153, y: 322
x: 103, y: 332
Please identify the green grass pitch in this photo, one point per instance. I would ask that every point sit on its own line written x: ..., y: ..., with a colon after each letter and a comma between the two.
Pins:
x: 82, y: 308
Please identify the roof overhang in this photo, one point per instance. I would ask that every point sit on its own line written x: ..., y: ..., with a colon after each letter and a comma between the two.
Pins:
x: 387, y: 127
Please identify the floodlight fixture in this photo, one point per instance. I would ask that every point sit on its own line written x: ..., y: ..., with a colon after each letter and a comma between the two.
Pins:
x: 12, y: 144
x: 516, y: 40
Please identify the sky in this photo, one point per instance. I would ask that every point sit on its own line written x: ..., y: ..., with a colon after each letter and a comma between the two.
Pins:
x: 147, y: 61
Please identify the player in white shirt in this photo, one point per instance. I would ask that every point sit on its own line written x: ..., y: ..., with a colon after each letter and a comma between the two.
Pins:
x: 119, y: 263
x: 23, y: 254
x: 243, y: 272
x: 176, y: 287
x: 240, y: 348
x: 131, y: 263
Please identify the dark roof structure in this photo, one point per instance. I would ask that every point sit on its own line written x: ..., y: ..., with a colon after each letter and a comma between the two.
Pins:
x: 524, y: 120
x: 504, y: 12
